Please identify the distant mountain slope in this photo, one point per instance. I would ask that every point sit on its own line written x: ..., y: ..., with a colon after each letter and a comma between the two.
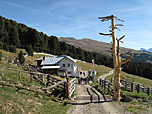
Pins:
x: 149, y: 50
x: 104, y: 48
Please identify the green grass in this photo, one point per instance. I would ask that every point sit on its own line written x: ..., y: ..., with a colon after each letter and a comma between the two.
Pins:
x: 100, y: 69
x: 14, y: 101
x: 136, y: 108
x: 135, y: 79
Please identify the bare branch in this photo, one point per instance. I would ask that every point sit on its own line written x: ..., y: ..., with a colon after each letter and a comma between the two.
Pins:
x: 120, y: 20
x: 119, y: 25
x: 110, y: 27
x: 117, y: 28
x: 107, y: 17
x: 119, y: 40
x: 105, y: 34
x: 121, y: 37
x: 127, y: 59
x: 125, y: 53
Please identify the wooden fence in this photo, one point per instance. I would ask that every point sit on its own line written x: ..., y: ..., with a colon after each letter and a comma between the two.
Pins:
x: 126, y: 85
x: 106, y: 85
x: 60, y: 84
x: 46, y: 80
x: 72, y: 85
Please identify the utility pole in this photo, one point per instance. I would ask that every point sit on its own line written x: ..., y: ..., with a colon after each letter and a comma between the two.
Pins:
x: 116, y: 53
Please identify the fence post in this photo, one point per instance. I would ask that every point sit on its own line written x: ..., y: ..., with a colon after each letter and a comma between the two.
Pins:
x: 126, y: 85
x: 100, y: 82
x: 148, y: 91
x: 111, y: 80
x: 132, y: 86
x: 48, y: 79
x: 42, y: 78
x: 67, y: 86
x: 138, y: 88
x: 31, y: 76
x: 108, y: 88
x: 19, y: 75
x: 2, y: 69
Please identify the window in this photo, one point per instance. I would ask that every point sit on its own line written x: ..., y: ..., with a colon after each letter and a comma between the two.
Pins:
x: 63, y: 65
x: 68, y: 65
x: 69, y: 72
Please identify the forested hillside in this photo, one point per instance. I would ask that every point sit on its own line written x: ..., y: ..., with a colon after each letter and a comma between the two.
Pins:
x: 15, y: 35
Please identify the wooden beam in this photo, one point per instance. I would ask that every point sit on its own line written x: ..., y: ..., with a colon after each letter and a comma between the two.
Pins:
x: 50, y: 87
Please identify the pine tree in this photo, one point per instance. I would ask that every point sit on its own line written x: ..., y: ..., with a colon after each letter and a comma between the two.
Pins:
x: 14, y: 37
x: 12, y: 49
x: 6, y: 47
x: 21, y: 57
x: 30, y: 50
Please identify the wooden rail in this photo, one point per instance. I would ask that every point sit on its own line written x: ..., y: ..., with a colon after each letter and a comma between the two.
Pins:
x: 44, y: 79
x: 106, y: 85
x: 132, y: 87
x: 72, y: 85
x: 126, y: 85
x: 50, y: 87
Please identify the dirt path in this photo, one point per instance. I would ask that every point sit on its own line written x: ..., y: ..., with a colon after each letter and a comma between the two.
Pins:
x: 90, y: 101
x: 105, y: 75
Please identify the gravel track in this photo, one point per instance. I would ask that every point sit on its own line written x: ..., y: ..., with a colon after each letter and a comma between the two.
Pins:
x: 95, y: 107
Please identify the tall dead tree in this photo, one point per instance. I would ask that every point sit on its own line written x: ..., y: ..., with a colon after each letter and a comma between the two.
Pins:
x: 116, y: 53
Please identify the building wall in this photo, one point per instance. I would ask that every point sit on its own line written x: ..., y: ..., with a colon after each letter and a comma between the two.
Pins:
x: 67, y: 64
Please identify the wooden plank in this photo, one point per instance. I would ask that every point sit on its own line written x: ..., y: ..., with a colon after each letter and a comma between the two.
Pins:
x: 72, y: 91
x: 71, y: 88
x: 55, y: 84
x: 72, y: 80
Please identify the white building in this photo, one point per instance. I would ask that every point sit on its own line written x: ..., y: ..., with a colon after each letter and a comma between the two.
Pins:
x: 58, y: 65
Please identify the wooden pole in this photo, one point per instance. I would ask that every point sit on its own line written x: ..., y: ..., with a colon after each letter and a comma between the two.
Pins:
x: 132, y: 86
x: 19, y: 75
x: 31, y: 76
x: 148, y: 91
x: 138, y: 88
x: 2, y: 70
x: 67, y: 85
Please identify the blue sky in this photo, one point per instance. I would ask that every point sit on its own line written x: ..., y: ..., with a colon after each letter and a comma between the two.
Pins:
x: 79, y: 18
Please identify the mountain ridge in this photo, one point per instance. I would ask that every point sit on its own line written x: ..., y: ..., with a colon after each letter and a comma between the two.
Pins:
x: 105, y: 48
x: 146, y: 50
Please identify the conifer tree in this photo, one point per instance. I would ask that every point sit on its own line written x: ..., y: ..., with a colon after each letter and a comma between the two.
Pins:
x: 14, y: 37
x: 21, y: 57
x: 30, y: 50
x: 12, y: 49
